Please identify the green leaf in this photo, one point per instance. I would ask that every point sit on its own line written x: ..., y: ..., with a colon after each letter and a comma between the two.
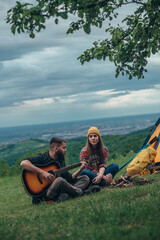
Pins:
x: 25, y: 26
x: 56, y: 21
x: 60, y: 2
x: 13, y: 28
x: 117, y: 74
x: 153, y: 50
x: 110, y: 58
x: 80, y: 14
x: 32, y: 35
x: 42, y: 19
x: 70, y: 30
x: 87, y: 28
x: 18, y: 30
x: 99, y: 57
x: 7, y: 20
x: 63, y: 15
x: 100, y: 24
x: 18, y: 4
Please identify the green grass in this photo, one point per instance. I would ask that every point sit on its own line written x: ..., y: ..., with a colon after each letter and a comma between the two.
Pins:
x: 118, y: 213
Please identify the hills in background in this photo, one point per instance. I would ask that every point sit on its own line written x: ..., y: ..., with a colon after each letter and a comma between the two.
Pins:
x: 117, y: 145
x: 121, y: 135
x: 12, y: 152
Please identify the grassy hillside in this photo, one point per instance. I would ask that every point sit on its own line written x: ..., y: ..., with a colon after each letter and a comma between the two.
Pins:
x: 113, y: 213
x: 118, y: 213
x: 12, y: 152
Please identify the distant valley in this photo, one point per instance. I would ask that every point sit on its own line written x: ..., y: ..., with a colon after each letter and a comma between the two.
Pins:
x: 69, y: 130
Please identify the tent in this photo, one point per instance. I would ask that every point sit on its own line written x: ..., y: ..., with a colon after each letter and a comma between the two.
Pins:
x: 154, y: 132
x: 152, y: 140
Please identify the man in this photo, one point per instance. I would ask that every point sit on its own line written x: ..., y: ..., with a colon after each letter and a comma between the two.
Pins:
x: 65, y: 185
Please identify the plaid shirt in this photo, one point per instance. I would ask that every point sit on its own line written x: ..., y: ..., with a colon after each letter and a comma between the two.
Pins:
x: 93, y: 160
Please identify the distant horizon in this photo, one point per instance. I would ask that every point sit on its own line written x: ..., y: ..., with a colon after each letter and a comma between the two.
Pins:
x: 71, y: 129
x: 80, y: 120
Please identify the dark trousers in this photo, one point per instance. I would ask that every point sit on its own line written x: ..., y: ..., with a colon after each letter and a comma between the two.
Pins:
x: 112, y: 169
x: 61, y: 186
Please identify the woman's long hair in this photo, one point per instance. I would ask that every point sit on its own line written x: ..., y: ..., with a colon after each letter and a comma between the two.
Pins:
x: 99, y: 149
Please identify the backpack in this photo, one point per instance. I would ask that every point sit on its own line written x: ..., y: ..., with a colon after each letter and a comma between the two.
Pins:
x: 143, y: 163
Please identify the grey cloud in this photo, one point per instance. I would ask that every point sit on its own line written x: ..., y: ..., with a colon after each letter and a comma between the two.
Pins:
x: 47, y: 67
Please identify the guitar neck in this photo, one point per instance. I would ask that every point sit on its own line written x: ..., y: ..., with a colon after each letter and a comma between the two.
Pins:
x: 61, y: 170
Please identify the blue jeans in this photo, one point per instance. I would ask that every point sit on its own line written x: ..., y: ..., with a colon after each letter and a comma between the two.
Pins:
x: 112, y: 169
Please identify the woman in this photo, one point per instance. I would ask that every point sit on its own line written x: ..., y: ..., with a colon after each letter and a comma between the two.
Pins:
x: 96, y: 155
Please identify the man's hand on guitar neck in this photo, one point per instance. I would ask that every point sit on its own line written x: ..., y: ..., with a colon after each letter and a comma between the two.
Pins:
x: 76, y: 174
x: 84, y: 165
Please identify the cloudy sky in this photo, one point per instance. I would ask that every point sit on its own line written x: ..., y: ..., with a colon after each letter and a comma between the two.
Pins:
x: 42, y: 81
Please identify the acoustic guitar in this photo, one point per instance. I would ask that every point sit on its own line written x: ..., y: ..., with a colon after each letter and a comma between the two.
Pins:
x: 35, y: 184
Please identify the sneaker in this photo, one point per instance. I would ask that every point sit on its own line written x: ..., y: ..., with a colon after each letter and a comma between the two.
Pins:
x: 36, y: 200
x: 79, y: 192
x: 62, y: 197
x: 92, y: 189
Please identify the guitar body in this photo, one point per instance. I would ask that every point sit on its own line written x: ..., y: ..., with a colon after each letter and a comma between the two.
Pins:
x: 36, y: 185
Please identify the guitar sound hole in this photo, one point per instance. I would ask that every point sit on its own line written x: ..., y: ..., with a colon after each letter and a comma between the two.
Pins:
x: 51, y: 172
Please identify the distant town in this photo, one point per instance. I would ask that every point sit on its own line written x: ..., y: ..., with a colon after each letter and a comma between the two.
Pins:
x: 68, y: 130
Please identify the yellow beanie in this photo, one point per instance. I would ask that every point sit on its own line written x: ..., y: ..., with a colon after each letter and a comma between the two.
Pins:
x: 93, y: 130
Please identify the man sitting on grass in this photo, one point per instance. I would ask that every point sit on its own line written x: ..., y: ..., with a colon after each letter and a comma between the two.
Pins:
x: 65, y: 185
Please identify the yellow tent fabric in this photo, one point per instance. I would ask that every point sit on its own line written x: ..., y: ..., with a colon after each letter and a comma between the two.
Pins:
x: 155, y: 132
x: 139, y: 164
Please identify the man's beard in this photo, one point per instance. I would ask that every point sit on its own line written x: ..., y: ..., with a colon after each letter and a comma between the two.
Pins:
x: 59, y: 155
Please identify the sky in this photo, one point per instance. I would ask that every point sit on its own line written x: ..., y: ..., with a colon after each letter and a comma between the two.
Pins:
x: 41, y: 80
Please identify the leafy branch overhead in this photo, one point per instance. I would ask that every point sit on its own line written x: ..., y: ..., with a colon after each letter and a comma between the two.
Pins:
x: 129, y: 45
